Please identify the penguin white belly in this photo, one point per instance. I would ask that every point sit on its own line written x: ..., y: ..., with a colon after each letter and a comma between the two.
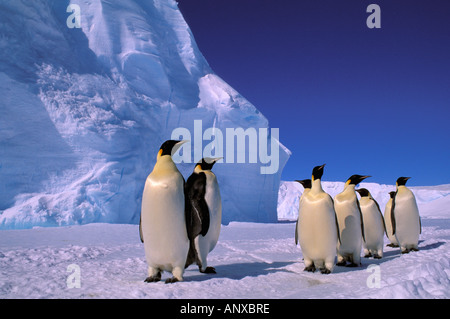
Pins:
x: 163, y: 223
x: 373, y: 227
x: 388, y: 222
x: 205, y: 244
x: 349, y: 221
x: 407, y: 224
x: 317, y: 229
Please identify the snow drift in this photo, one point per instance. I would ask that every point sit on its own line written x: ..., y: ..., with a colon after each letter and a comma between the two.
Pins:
x: 83, y: 112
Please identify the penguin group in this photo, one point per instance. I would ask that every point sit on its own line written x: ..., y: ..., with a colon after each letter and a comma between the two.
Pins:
x: 328, y: 229
x: 180, y: 220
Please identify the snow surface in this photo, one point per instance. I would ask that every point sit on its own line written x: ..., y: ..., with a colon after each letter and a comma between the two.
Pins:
x: 84, y: 111
x: 253, y: 260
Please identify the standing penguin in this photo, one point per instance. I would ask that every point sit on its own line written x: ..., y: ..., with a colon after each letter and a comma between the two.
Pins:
x: 317, y: 228
x: 306, y: 183
x: 388, y: 221
x: 405, y: 217
x: 350, y: 222
x: 374, y: 227
x: 205, y: 204
x: 163, y: 224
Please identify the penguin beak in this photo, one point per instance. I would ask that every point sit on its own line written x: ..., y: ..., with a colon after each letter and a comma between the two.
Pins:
x: 178, y: 145
x: 356, y: 179
x: 363, y: 178
x: 212, y: 160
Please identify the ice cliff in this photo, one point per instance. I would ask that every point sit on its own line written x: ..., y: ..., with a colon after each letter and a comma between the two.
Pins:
x: 84, y: 110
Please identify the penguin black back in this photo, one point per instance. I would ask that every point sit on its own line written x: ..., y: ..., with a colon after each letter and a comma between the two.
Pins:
x: 306, y: 183
x: 196, y: 209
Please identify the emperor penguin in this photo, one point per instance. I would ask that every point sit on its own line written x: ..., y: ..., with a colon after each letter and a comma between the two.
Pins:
x: 374, y: 227
x: 350, y: 222
x: 205, y: 204
x: 388, y: 223
x: 306, y: 183
x: 163, y: 223
x: 405, y: 218
x: 317, y: 227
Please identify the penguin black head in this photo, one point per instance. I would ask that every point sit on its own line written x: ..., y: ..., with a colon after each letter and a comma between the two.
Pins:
x: 169, y: 147
x: 207, y: 163
x: 306, y: 183
x: 392, y: 194
x: 401, y: 181
x: 356, y: 179
x: 363, y: 192
x: 317, y: 172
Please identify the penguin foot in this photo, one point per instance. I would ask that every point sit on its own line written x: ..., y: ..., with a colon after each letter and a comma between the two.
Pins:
x: 325, y: 271
x: 171, y: 280
x: 368, y: 255
x: 392, y: 245
x: 310, y: 268
x: 341, y: 263
x: 154, y: 278
x: 208, y: 270
x: 377, y: 256
x: 352, y: 265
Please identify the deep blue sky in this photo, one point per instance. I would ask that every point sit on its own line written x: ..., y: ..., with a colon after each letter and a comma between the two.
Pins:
x: 363, y: 101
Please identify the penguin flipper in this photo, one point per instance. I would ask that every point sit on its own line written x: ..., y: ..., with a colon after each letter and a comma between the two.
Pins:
x: 296, y: 232
x: 420, y: 225
x: 393, y: 215
x: 141, y: 235
x: 362, y: 222
x: 337, y: 228
x: 196, y: 210
x: 336, y: 220
x: 381, y: 215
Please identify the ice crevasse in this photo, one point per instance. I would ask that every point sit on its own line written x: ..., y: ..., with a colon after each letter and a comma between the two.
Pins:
x: 83, y: 112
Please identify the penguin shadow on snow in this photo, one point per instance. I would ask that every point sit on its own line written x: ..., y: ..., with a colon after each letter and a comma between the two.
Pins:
x: 395, y: 251
x: 430, y: 246
x: 388, y: 255
x: 366, y: 262
x: 238, y: 271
